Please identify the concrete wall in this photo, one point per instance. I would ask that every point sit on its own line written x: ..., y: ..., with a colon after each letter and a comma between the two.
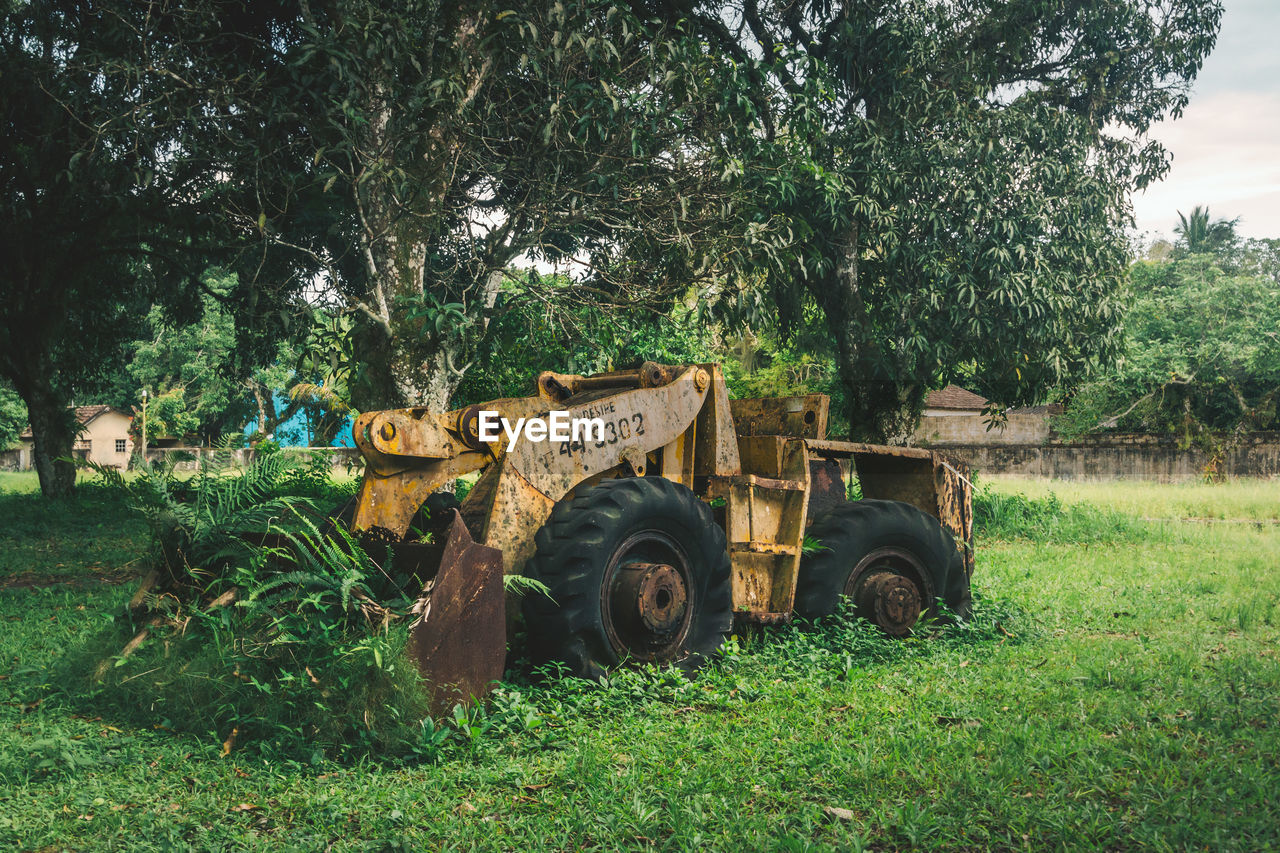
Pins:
x: 952, y: 426
x: 15, y: 459
x: 1120, y: 457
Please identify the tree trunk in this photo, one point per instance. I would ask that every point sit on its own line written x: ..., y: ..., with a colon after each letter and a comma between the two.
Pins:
x: 326, y: 428
x: 881, y: 411
x: 53, y: 428
x: 432, y: 384
x: 882, y: 407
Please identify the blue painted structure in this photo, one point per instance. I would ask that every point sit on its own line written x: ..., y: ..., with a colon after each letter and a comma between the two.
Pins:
x: 294, y: 431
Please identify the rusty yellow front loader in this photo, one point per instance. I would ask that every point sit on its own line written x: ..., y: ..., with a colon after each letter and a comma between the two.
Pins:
x: 671, y: 513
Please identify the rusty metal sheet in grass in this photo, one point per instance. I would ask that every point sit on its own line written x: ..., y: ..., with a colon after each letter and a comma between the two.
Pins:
x: 459, y: 639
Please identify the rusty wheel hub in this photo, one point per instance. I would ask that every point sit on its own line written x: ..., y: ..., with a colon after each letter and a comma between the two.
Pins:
x: 646, y: 596
x: 885, y: 589
x: 655, y: 593
x: 890, y: 600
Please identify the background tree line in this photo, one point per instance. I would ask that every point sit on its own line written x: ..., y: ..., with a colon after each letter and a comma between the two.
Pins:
x: 1201, y: 356
x: 912, y: 192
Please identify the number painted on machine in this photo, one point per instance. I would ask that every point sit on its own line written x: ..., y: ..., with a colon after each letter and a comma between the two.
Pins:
x: 614, y: 431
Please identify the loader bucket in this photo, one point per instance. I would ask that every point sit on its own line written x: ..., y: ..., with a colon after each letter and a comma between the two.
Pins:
x: 459, y: 636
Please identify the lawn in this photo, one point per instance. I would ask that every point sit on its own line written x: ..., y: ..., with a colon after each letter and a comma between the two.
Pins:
x: 89, y: 536
x: 1119, y: 688
x: 1233, y: 501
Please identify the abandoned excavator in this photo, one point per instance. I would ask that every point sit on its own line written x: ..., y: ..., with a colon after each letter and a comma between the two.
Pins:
x: 682, y: 513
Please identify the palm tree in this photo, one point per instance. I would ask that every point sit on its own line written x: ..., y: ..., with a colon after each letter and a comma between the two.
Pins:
x: 1198, y: 234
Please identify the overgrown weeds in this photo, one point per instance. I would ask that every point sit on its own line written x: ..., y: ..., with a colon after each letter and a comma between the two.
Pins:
x: 539, y: 704
x: 997, y: 515
x: 259, y: 621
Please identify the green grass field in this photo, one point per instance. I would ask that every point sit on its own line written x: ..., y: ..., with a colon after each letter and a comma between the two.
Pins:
x: 1237, y: 500
x: 1118, y: 689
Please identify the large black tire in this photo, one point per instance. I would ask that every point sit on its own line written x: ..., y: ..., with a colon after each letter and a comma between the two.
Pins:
x: 638, y: 571
x: 892, y: 559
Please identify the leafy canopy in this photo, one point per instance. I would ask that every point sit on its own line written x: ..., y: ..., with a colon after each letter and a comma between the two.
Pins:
x: 1202, y: 356
x: 952, y: 179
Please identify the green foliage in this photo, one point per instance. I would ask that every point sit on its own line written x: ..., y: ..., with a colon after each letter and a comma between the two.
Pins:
x: 303, y: 664
x: 325, y: 372
x: 198, y: 524
x: 302, y: 645
x: 1203, y: 356
x: 1197, y: 235
x: 910, y: 199
x: 191, y: 370
x: 13, y: 417
x: 998, y: 515
x: 540, y: 324
x: 406, y: 155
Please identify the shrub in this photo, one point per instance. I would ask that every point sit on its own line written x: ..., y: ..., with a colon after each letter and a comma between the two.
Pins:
x: 261, y: 622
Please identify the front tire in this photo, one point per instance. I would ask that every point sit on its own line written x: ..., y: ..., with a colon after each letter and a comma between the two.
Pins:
x: 892, y: 559
x: 637, y: 571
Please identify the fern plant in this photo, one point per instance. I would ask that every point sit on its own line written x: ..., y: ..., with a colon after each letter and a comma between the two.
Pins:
x: 200, y: 524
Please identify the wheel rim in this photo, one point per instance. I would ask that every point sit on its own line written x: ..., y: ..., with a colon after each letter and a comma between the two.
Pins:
x: 647, y: 598
x: 886, y: 589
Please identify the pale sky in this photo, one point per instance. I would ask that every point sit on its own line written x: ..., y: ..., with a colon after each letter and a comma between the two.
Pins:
x: 1226, y: 146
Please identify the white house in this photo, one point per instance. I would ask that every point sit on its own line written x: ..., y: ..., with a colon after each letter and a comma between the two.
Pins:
x: 104, y: 437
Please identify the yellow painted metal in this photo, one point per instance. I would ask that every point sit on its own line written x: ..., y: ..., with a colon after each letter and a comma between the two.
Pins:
x: 672, y: 421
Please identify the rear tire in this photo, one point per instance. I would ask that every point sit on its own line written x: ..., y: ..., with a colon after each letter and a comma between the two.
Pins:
x: 637, y: 570
x: 894, y: 560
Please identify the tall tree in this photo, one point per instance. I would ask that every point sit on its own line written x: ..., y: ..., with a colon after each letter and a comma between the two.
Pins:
x: 77, y: 202
x: 1197, y: 233
x: 403, y: 155
x: 956, y: 176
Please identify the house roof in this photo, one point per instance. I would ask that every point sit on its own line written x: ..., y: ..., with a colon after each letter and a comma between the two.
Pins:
x: 1050, y: 409
x: 954, y: 397
x: 86, y: 415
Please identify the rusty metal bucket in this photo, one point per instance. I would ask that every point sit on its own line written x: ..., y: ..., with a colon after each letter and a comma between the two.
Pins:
x: 459, y: 636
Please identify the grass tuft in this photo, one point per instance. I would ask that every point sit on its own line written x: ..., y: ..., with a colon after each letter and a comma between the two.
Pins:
x: 1000, y: 515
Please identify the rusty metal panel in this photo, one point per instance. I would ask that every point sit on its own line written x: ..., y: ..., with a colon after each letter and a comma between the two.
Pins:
x: 752, y: 581
x: 459, y: 640
x: 716, y: 440
x: 762, y: 454
x: 636, y: 422
x: 401, y: 447
x: 895, y: 477
x: 517, y: 509
x: 676, y: 458
x: 764, y: 526
x: 390, y: 501
x: 826, y: 486
x: 795, y: 467
x: 412, y: 432
x: 796, y: 417
x: 846, y: 449
x: 955, y: 503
